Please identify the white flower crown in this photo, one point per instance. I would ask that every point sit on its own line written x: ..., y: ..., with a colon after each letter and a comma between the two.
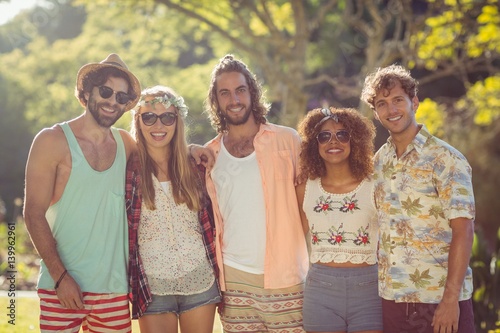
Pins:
x: 178, y: 102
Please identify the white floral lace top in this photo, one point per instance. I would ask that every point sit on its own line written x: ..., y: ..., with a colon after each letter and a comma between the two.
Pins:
x: 343, y: 227
x: 171, y: 247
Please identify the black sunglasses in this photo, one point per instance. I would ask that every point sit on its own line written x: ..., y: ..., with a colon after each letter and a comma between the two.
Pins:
x: 107, y: 92
x: 342, y: 136
x: 167, y: 118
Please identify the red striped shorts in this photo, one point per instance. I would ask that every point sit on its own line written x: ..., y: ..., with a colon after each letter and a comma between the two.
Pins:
x: 102, y: 313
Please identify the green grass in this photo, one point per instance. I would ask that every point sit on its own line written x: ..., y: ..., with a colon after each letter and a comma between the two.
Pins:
x: 27, y: 312
x: 27, y: 267
x: 26, y: 316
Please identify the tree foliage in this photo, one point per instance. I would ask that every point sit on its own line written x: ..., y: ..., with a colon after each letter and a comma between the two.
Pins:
x: 307, y: 53
x: 272, y: 34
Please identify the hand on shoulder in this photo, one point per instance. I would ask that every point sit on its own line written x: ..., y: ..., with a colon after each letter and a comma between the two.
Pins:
x: 202, y: 155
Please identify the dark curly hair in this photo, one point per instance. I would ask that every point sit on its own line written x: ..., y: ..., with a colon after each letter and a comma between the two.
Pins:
x: 229, y: 64
x: 384, y: 79
x: 362, y: 133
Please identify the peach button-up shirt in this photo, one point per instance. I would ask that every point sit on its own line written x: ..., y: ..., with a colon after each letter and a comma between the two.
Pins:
x: 286, y: 260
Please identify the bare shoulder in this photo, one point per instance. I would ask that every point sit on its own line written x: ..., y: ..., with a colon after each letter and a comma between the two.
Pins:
x: 128, y: 141
x: 48, y: 167
x: 50, y: 142
x: 126, y: 135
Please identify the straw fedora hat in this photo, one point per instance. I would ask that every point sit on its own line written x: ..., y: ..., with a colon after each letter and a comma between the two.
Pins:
x: 112, y: 60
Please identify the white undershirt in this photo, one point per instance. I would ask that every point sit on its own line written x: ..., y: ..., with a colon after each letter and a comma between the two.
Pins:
x: 238, y: 184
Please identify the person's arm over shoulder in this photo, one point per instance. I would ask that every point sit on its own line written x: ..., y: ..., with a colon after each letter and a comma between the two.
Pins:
x: 202, y: 155
x: 133, y: 186
x: 47, y: 156
x: 300, y: 192
x: 296, y: 147
x: 129, y: 142
x: 296, y: 139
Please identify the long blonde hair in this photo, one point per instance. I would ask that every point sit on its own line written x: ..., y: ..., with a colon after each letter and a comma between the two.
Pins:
x: 183, y: 176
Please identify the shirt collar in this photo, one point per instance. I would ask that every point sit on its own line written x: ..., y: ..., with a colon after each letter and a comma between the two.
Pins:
x: 266, y: 127
x: 418, y: 141
x: 262, y: 128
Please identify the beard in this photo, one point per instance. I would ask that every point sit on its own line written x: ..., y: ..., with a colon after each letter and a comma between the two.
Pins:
x: 102, y: 119
x: 238, y: 121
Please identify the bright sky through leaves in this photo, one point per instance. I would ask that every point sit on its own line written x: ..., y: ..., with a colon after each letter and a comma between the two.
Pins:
x: 9, y: 9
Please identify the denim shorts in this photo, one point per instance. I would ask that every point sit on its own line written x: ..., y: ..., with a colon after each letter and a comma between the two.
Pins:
x: 342, y: 299
x: 182, y: 303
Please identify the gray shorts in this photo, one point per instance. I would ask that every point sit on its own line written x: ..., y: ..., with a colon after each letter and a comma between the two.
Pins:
x: 182, y: 303
x: 342, y: 299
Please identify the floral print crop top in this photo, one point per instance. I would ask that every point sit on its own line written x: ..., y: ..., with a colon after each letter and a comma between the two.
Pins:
x: 343, y: 227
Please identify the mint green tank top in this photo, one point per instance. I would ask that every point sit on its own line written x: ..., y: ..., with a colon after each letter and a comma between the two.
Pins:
x: 89, y: 223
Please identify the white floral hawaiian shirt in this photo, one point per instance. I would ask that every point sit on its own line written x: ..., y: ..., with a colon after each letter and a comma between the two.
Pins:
x: 416, y: 197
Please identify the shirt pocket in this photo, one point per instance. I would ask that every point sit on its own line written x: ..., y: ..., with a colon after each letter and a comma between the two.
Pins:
x: 418, y: 191
x: 420, y: 182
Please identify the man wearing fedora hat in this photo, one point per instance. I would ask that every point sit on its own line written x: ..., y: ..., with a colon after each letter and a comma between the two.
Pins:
x: 75, y: 208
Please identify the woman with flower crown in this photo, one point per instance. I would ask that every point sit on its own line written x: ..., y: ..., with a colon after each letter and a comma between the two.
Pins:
x: 172, y: 268
x: 338, y: 213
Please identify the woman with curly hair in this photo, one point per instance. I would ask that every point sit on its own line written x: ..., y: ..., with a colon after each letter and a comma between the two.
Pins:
x: 339, y: 215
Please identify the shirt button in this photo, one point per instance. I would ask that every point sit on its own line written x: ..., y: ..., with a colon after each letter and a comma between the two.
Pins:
x: 394, y: 263
x: 393, y: 177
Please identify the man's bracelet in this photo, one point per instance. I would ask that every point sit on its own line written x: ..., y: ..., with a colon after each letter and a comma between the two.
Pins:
x: 60, y: 278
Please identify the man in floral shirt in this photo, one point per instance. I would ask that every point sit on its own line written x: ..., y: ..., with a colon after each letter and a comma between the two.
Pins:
x: 426, y: 208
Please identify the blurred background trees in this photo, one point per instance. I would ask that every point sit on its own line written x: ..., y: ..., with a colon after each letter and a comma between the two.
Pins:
x: 307, y: 53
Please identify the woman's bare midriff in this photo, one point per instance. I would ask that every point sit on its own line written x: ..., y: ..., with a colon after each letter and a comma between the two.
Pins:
x: 343, y: 265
